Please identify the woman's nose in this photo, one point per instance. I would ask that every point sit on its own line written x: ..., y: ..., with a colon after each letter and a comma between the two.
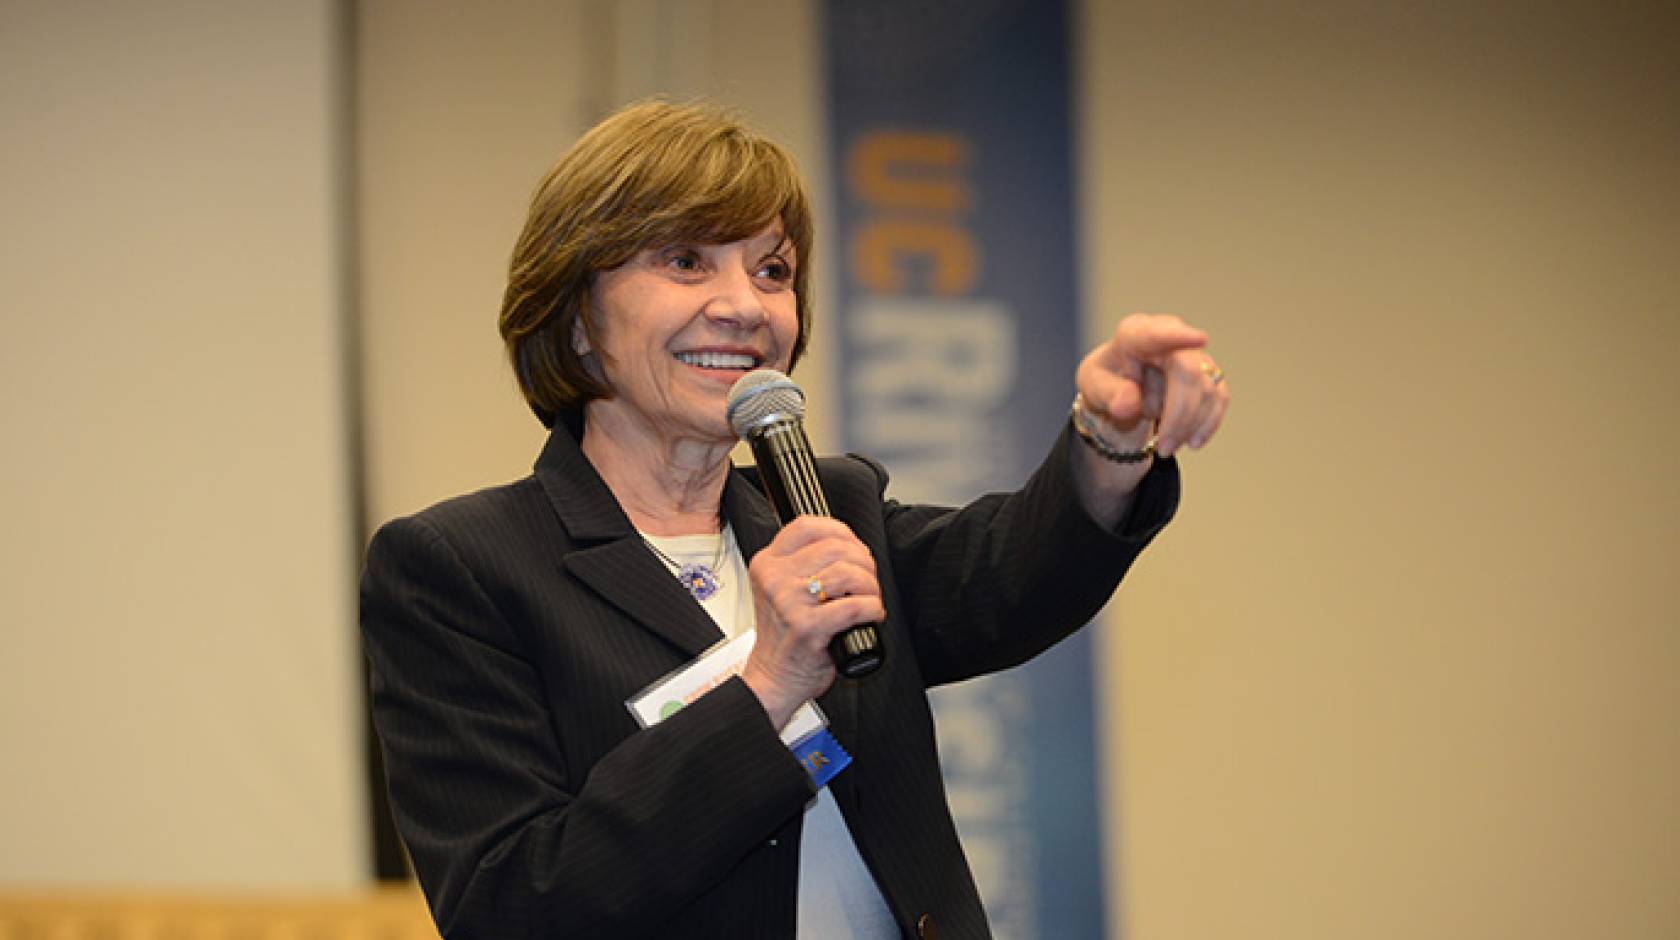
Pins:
x: 737, y: 300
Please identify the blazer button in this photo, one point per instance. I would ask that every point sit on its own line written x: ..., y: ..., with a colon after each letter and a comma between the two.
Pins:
x: 927, y: 928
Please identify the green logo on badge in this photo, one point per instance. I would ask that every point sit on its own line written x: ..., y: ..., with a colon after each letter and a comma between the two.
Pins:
x: 669, y: 708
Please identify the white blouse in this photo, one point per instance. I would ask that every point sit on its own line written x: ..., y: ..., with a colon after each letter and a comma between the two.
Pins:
x: 838, y: 897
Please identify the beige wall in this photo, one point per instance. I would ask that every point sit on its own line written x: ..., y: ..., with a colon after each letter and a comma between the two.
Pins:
x: 459, y: 107
x: 177, y: 662
x: 1408, y: 666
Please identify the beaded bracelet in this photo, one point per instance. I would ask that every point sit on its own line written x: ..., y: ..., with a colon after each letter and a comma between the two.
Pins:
x: 1088, y: 434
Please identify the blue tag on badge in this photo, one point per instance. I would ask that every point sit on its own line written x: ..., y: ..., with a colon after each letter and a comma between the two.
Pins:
x: 821, y: 756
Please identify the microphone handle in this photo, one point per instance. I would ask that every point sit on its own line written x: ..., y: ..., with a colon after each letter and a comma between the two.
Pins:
x: 789, y: 474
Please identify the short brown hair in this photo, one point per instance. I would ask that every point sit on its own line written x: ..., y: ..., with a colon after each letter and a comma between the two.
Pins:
x: 653, y: 173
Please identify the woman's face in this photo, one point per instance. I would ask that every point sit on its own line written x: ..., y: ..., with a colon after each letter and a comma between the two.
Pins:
x: 677, y: 325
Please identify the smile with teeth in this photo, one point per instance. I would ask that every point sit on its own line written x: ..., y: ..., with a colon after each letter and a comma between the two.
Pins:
x: 716, y: 360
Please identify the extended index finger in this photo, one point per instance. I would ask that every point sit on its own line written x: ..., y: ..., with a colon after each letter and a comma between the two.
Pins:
x: 1152, y: 339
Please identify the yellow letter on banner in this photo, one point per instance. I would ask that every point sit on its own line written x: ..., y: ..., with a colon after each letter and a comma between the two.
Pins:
x: 910, y: 171
x: 881, y: 245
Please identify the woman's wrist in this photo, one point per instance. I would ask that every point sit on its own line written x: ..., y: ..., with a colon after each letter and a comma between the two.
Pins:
x: 1104, y: 484
x: 778, y: 704
x: 1111, y: 444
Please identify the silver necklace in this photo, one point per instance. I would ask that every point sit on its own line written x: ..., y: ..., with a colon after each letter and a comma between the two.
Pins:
x: 702, y: 581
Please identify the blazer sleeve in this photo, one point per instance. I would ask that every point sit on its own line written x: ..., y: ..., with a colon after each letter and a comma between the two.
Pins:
x: 995, y: 583
x: 504, y: 845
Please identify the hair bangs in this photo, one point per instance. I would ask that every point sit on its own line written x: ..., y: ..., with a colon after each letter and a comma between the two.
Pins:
x: 730, y: 193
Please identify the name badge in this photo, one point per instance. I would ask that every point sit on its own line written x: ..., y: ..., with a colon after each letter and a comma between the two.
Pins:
x: 806, y: 733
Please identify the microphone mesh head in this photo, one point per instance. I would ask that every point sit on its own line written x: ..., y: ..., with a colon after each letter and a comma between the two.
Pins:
x: 761, y: 396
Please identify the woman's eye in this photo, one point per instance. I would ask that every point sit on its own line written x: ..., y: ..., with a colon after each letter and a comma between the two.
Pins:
x: 682, y: 259
x: 776, y: 269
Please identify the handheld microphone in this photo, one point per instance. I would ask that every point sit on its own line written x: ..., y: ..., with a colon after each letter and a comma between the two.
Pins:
x: 768, y: 410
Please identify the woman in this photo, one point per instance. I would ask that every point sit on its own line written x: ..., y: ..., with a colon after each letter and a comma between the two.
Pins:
x: 667, y: 253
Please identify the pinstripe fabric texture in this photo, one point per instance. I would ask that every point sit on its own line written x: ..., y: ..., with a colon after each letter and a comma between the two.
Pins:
x: 506, y: 629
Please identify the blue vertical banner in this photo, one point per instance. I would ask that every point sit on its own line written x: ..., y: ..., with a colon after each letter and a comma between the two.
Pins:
x: 959, y: 327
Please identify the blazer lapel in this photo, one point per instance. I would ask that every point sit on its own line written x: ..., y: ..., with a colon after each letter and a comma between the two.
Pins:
x: 610, y: 556
x: 628, y: 575
x: 746, y: 508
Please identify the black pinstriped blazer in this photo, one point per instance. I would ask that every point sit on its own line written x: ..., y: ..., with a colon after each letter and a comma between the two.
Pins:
x: 506, y: 629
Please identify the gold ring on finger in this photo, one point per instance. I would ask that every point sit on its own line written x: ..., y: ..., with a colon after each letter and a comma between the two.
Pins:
x: 1212, y: 371
x: 814, y: 587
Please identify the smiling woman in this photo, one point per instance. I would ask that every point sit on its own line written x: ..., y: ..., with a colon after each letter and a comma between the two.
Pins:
x: 670, y: 330
x: 613, y: 198
x: 665, y: 255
